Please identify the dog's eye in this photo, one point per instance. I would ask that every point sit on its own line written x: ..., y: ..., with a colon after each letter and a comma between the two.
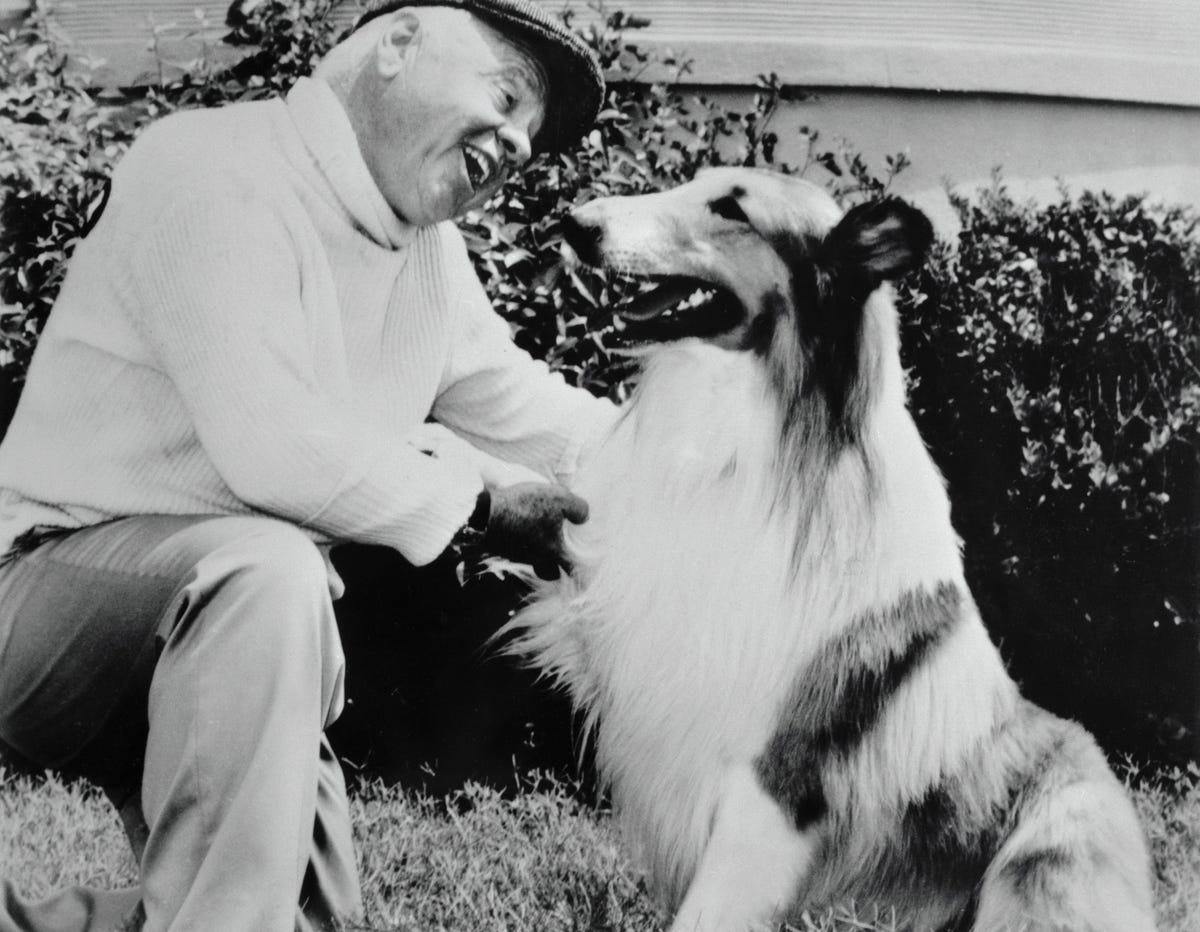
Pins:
x: 729, y: 208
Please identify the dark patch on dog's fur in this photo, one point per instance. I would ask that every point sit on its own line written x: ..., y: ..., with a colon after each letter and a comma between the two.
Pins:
x: 808, y: 804
x: 1028, y: 869
x: 942, y: 844
x: 831, y: 281
x: 840, y: 696
x: 939, y: 842
x: 828, y: 329
x: 761, y: 331
x: 729, y: 207
x: 831, y: 320
x: 945, y: 841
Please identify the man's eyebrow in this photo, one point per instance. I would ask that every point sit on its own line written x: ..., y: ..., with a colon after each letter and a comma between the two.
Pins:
x: 520, y: 62
x: 525, y: 73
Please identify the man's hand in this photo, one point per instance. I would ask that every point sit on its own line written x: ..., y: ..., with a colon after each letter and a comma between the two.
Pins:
x: 526, y: 524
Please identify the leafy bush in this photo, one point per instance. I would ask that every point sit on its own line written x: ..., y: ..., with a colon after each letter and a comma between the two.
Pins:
x: 1055, y: 354
x: 288, y: 38
x: 56, y: 148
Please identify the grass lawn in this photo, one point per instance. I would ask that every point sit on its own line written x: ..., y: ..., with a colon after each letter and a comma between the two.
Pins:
x: 541, y: 862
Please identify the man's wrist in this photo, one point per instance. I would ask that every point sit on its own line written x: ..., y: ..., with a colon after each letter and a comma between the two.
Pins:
x: 471, y: 534
x: 483, y: 511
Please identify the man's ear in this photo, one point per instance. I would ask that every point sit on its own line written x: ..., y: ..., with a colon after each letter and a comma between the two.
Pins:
x: 397, y: 42
x: 886, y: 239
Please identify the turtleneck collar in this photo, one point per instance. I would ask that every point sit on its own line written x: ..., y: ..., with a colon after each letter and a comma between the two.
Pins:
x: 325, y: 128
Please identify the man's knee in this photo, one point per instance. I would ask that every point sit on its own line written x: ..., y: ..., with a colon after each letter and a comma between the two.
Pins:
x: 269, y: 567
x: 277, y: 558
x: 260, y: 541
x: 258, y: 605
x: 261, y: 582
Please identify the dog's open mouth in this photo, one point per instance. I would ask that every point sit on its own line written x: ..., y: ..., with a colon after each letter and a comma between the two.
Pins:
x: 674, y: 307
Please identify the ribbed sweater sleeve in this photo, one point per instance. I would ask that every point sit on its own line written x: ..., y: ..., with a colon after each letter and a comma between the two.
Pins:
x: 227, y: 320
x: 506, y: 402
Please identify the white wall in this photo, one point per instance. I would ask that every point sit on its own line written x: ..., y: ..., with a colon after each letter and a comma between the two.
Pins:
x: 959, y: 138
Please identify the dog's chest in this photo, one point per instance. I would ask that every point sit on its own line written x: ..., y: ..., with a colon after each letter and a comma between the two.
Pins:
x: 689, y: 623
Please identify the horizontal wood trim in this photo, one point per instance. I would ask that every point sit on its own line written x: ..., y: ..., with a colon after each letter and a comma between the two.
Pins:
x: 1040, y: 73
x: 1128, y: 50
x: 1168, y: 28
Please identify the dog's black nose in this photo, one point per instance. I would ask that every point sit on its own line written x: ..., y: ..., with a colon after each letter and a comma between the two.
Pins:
x: 584, y: 239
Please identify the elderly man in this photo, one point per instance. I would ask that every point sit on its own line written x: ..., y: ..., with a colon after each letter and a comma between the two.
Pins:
x: 238, y: 373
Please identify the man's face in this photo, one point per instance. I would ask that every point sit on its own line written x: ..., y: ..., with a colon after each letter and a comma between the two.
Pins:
x: 458, y: 106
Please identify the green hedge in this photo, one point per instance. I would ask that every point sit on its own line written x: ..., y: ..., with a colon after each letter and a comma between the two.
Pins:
x: 1053, y: 350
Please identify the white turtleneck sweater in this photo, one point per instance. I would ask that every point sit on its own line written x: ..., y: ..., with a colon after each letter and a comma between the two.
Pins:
x: 250, y: 329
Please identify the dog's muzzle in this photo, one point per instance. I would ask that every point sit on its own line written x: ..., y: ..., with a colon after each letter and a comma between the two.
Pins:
x: 668, y: 307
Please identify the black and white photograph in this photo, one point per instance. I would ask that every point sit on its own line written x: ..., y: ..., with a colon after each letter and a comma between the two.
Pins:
x: 599, y: 466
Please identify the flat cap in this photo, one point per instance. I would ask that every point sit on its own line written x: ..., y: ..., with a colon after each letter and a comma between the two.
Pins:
x: 574, y: 80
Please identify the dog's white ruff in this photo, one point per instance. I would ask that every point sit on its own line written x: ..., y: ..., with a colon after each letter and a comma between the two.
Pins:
x: 723, y: 553
x: 691, y: 480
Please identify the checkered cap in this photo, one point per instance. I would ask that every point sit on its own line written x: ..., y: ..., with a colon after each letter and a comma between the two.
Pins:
x: 575, y: 83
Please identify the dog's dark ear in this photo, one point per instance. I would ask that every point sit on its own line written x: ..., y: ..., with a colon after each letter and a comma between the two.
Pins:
x: 884, y: 239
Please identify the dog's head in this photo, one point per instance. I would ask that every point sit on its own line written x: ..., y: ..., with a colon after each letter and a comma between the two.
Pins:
x: 783, y: 271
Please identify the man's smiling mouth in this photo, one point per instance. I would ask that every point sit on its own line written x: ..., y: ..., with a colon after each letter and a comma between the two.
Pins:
x: 481, y: 168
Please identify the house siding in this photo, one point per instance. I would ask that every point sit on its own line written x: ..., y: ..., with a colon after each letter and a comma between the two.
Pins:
x: 1087, y: 93
x: 1135, y: 50
x: 1138, y: 50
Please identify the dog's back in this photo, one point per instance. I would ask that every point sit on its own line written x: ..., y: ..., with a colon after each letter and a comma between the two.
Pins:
x: 794, y: 699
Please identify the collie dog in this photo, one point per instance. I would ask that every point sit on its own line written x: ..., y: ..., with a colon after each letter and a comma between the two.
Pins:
x: 792, y: 696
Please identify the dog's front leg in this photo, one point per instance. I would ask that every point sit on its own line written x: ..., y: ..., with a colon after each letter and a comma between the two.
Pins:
x: 753, y: 865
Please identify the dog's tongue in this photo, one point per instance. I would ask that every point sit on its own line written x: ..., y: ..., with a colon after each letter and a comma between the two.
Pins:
x: 650, y: 304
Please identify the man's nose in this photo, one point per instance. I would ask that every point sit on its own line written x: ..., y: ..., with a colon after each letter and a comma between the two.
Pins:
x: 515, y: 144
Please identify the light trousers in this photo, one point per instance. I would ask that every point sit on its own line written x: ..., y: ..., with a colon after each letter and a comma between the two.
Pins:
x: 190, y: 664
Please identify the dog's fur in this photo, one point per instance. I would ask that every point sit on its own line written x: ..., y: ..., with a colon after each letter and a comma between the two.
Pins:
x: 793, y: 697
